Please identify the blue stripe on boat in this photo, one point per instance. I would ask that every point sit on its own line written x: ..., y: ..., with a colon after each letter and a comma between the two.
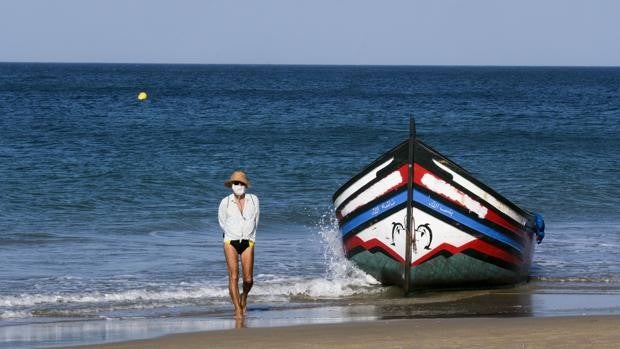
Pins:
x: 374, y: 212
x: 467, y: 221
x: 438, y: 207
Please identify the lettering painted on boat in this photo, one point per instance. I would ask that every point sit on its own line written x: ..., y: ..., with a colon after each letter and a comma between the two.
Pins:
x: 383, y: 207
x: 446, y: 211
x: 433, y: 204
x: 438, y: 207
x: 444, y: 188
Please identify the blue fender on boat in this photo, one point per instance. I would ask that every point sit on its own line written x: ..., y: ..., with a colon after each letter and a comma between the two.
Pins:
x: 540, y: 227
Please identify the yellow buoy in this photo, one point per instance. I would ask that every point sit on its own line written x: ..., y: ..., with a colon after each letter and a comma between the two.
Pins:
x: 142, y: 96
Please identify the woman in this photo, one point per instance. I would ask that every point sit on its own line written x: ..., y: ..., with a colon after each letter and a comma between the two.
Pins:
x: 238, y: 217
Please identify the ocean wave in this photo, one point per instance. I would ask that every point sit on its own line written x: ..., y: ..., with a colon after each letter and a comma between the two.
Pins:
x: 270, y: 290
x: 127, y: 296
x: 18, y: 314
x: 36, y: 238
x: 595, y: 280
x: 266, y: 285
x: 314, y: 289
x: 341, y: 281
x: 91, y: 297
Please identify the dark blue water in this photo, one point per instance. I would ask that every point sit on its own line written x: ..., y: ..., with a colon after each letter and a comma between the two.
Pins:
x: 108, y: 204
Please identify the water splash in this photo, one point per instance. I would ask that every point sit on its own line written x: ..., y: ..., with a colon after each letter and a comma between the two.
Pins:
x: 337, y: 266
x: 340, y: 279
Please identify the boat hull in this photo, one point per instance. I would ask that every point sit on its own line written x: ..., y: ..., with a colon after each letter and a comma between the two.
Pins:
x: 463, y: 233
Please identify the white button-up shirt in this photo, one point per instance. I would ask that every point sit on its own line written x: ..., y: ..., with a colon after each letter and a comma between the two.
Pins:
x: 238, y: 226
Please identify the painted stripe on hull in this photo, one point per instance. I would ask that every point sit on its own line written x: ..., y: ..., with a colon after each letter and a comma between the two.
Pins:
x: 360, y: 183
x: 373, y: 212
x: 482, y: 194
x: 456, y: 270
x: 477, y: 235
x: 437, y: 185
x: 425, y: 178
x: 390, y: 183
x: 444, y: 238
x: 465, y: 220
x: 434, y: 205
x: 390, y: 230
x: 476, y: 249
x: 478, y: 245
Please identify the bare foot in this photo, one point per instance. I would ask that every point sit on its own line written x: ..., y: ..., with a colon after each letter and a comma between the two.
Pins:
x: 239, y: 322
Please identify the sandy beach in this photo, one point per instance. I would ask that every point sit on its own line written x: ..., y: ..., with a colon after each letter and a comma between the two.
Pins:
x: 521, y: 332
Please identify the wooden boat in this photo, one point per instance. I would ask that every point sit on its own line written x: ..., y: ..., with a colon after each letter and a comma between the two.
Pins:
x: 416, y: 219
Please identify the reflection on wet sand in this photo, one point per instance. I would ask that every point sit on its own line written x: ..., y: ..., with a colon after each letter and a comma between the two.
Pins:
x: 511, y: 302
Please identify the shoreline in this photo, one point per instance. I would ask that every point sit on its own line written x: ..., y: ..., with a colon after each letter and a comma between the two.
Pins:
x: 591, y: 331
x: 454, y: 309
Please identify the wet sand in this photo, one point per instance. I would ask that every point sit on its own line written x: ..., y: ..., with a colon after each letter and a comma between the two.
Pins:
x: 517, y: 332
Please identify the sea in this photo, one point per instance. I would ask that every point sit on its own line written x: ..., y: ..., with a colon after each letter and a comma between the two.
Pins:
x: 108, y: 203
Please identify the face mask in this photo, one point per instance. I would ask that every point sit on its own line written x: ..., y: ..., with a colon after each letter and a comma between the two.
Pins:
x: 238, y: 189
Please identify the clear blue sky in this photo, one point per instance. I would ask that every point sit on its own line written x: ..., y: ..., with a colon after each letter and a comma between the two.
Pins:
x: 435, y: 32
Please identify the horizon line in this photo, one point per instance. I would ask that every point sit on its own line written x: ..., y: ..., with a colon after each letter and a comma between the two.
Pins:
x: 319, y: 64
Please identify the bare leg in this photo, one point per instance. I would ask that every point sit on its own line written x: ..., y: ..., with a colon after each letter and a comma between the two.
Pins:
x: 247, y: 263
x: 232, y: 263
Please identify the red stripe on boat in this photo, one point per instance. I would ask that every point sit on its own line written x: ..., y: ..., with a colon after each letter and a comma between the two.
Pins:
x: 491, y: 216
x: 355, y: 241
x: 477, y: 245
x: 419, y: 172
x: 404, y: 173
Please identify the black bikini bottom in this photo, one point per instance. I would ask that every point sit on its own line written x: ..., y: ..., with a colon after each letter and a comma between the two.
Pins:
x: 241, y: 245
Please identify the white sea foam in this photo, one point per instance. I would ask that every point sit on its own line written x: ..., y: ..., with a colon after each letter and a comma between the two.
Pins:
x: 339, y: 279
x: 340, y: 269
x: 127, y: 296
x: 599, y: 280
x: 267, y: 289
x: 20, y: 314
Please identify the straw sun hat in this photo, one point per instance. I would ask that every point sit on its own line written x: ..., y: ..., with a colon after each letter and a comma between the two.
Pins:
x: 237, y: 176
